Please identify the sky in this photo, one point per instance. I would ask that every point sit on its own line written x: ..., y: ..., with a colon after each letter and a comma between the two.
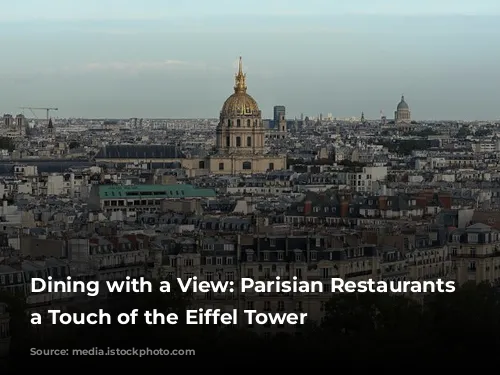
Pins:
x: 177, y: 59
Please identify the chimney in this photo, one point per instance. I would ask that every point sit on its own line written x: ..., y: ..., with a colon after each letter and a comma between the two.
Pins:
x: 307, y: 207
x: 382, y: 203
x: 445, y: 200
x: 344, y: 209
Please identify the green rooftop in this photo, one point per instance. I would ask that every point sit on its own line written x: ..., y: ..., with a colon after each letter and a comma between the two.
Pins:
x: 153, y: 191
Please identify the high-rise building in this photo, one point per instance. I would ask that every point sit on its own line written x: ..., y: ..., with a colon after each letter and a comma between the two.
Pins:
x: 279, y: 114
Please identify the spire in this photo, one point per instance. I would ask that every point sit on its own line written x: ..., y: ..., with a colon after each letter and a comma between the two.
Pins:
x: 240, y: 84
x: 402, y: 97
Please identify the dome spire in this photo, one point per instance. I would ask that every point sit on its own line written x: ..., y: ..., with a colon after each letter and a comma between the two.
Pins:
x: 240, y: 79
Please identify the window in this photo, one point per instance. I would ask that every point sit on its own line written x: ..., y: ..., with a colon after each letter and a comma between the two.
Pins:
x: 325, y: 273
x: 271, y: 166
x: 281, y: 255
x: 229, y: 123
x: 248, y: 123
x: 250, y: 258
x: 267, y: 273
x: 238, y: 141
x: 201, y: 165
x: 472, y: 238
x: 208, y: 260
x: 249, y: 141
x: 247, y: 165
x: 314, y: 255
x: 298, y: 273
x: 221, y: 166
x: 266, y: 256
x: 238, y: 123
x: 228, y: 141
x: 267, y: 306
x: 218, y: 261
x: 229, y: 261
x: 188, y: 262
x: 272, y: 242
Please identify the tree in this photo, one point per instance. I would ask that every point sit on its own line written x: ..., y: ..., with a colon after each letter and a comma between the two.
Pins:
x: 7, y: 144
x: 463, y: 132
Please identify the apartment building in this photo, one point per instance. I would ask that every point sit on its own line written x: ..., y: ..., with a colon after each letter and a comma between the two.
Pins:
x: 262, y: 258
x: 475, y: 253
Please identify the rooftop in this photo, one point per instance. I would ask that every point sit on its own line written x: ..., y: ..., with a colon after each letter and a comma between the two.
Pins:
x: 158, y: 191
x: 140, y: 152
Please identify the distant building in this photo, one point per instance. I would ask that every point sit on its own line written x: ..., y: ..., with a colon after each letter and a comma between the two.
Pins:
x: 279, y: 113
x: 140, y: 198
x: 402, y: 114
x: 240, y: 146
x: 280, y: 125
x: 8, y: 121
x: 240, y: 142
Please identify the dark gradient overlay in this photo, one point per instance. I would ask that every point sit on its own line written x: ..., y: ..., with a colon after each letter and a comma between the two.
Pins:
x: 358, y: 329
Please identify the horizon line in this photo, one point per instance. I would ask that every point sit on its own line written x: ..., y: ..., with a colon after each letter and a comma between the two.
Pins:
x: 266, y: 15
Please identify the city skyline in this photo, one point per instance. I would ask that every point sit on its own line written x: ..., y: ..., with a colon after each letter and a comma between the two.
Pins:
x: 92, y: 63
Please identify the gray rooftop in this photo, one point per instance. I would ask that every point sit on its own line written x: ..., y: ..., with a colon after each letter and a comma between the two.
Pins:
x: 140, y: 152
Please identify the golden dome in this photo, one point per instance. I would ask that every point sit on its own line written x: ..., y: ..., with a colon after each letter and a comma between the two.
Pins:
x: 240, y: 103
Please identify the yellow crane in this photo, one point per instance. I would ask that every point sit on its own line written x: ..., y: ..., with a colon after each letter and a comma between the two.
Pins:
x: 47, y: 109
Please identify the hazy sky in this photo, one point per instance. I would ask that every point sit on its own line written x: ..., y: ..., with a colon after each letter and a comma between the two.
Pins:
x: 161, y: 58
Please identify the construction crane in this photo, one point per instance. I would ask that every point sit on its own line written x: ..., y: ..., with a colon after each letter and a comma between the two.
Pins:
x: 40, y: 108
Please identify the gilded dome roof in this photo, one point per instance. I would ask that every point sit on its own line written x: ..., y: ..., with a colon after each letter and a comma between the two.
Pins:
x: 402, y: 104
x: 240, y: 103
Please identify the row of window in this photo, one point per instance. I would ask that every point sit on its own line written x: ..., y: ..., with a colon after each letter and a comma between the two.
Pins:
x: 239, y: 123
x: 238, y: 142
x: 247, y: 165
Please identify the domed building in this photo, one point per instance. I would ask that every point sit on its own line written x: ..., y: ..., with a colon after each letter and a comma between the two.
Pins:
x: 402, y: 114
x: 240, y: 143
x: 240, y: 135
